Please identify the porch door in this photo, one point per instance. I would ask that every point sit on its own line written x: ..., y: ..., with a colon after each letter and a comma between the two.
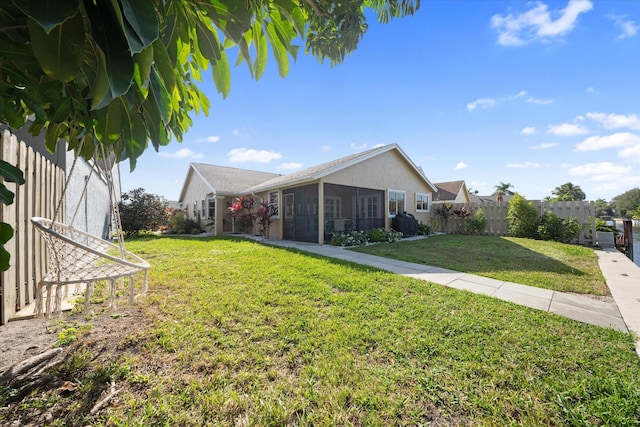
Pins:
x: 288, y: 223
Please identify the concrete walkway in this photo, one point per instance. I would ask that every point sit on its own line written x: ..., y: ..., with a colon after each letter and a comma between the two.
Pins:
x: 621, y: 274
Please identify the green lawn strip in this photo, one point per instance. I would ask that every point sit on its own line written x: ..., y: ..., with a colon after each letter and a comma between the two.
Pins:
x: 550, y: 265
x: 244, y: 333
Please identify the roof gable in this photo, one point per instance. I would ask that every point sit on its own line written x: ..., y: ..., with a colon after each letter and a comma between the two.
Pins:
x: 227, y: 181
x: 320, y: 171
x: 448, y: 190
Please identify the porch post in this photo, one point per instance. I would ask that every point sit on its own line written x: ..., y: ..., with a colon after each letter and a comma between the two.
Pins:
x: 220, y: 212
x: 321, y: 212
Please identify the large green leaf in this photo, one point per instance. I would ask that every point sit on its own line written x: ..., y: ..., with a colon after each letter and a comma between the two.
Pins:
x: 161, y: 96
x: 59, y: 52
x: 5, y: 257
x: 110, y: 122
x: 6, y: 232
x: 222, y: 75
x: 143, y: 19
x: 11, y: 173
x: 164, y: 66
x: 142, y: 68
x: 100, y: 83
x: 279, y: 50
x: 262, y: 51
x: 6, y: 196
x: 48, y: 13
x: 118, y: 61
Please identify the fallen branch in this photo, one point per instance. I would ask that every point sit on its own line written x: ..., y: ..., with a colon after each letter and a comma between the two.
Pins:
x: 28, y: 388
x: 24, y: 366
x: 106, y: 400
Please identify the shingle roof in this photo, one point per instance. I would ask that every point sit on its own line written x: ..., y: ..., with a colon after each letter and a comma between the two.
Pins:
x: 233, y: 181
x: 230, y: 181
x: 319, y: 171
x: 447, y: 190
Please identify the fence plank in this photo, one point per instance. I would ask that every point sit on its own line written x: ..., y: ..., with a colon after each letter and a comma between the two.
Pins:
x: 497, y: 224
x: 9, y: 154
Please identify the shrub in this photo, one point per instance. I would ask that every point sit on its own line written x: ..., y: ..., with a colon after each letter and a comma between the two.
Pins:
x: 522, y: 217
x: 383, y: 235
x: 424, y: 230
x: 180, y: 223
x: 141, y: 211
x: 478, y: 223
x: 443, y: 212
x: 351, y: 238
x: 601, y: 225
x: 552, y: 227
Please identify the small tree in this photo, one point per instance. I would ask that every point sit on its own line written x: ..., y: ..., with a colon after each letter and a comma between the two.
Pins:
x: 142, y: 211
x: 522, y: 217
x: 243, y: 214
x: 264, y: 215
x: 478, y: 223
x: 442, y: 213
x: 568, y: 192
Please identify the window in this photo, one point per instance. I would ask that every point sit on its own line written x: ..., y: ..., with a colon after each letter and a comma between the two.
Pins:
x: 212, y: 208
x: 332, y: 207
x: 203, y: 212
x: 396, y: 202
x: 195, y: 209
x: 422, y: 202
x: 274, y: 204
x: 369, y: 207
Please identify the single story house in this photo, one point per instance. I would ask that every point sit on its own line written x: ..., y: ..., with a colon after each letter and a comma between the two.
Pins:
x: 451, y: 192
x: 358, y: 192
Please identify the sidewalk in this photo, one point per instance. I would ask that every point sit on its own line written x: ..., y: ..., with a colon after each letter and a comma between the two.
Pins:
x: 623, y: 279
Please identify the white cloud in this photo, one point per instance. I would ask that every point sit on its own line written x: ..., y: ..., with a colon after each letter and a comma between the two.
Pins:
x: 539, y: 101
x: 520, y: 94
x: 538, y: 23
x: 603, y: 171
x: 212, y: 138
x: 616, y: 121
x: 291, y: 165
x: 460, y: 165
x: 567, y: 129
x: 482, y: 103
x: 529, y: 130
x: 591, y: 89
x: 242, y: 155
x: 631, y: 153
x: 620, y: 139
x: 628, y: 27
x: 183, y: 153
x: 325, y: 148
x: 544, y: 146
x: 525, y: 165
x: 358, y: 147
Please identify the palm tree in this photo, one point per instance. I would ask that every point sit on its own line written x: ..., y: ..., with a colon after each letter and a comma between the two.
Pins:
x: 501, y: 189
x: 568, y: 192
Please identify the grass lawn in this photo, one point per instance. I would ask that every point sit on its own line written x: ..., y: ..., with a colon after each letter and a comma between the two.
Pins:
x: 237, y: 333
x: 549, y: 265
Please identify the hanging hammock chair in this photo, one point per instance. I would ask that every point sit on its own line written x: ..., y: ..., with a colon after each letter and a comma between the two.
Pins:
x: 77, y: 257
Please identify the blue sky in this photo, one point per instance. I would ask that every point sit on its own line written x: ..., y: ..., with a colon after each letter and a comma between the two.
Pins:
x: 535, y: 94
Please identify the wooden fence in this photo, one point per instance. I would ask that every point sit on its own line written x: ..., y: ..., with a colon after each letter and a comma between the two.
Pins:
x: 496, y: 215
x: 38, y: 196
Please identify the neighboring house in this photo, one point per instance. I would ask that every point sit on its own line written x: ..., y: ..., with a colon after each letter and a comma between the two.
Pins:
x: 490, y: 199
x: 451, y: 192
x: 358, y: 192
